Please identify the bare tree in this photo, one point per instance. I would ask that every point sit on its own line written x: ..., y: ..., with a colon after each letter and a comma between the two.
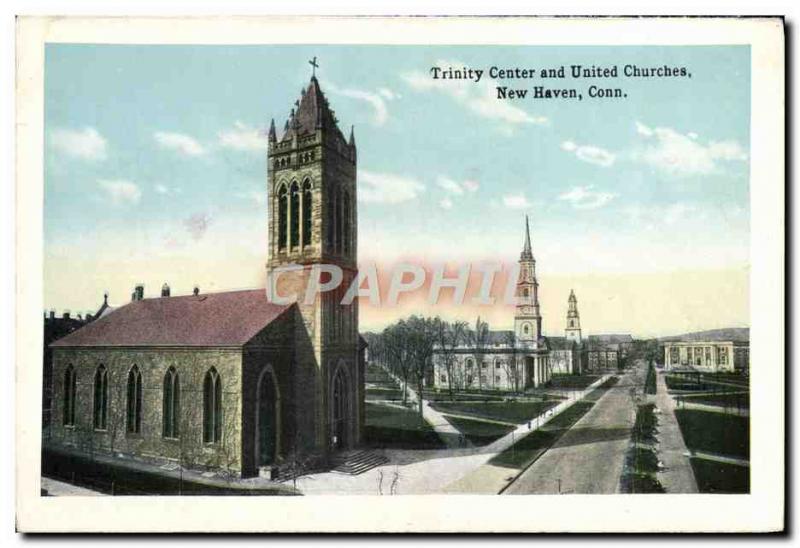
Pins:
x: 421, y: 340
x: 479, y: 339
x: 396, y: 341
x: 513, y: 370
x: 448, y: 337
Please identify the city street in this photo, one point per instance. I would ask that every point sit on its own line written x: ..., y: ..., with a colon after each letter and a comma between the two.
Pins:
x: 589, y: 457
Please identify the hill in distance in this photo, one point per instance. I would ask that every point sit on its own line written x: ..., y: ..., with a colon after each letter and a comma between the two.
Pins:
x: 738, y: 334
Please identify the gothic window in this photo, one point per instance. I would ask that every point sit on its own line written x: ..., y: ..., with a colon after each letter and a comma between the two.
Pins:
x: 171, y: 403
x: 283, y: 221
x: 572, y: 323
x: 469, y: 363
x: 294, y: 216
x: 100, y: 398
x: 70, y: 381
x: 346, y: 223
x: 306, y: 213
x: 525, y: 292
x: 212, y: 407
x: 134, y: 401
x: 525, y: 329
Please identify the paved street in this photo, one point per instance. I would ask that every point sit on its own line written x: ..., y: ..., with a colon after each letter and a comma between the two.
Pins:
x: 589, y: 457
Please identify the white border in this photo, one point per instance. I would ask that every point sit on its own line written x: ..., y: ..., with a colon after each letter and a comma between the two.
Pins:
x: 762, y: 510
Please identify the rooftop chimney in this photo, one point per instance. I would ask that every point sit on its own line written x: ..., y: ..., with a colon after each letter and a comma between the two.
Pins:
x: 52, y: 314
x: 165, y: 290
x: 196, y: 290
x: 66, y: 315
x: 138, y: 292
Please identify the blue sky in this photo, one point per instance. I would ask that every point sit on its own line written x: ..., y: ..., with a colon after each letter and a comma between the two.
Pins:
x: 154, y: 151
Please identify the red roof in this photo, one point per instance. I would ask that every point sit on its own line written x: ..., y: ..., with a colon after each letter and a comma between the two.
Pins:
x: 231, y: 318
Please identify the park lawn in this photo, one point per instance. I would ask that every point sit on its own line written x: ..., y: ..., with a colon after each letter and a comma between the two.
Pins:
x: 705, y: 382
x: 396, y: 427
x: 720, y: 477
x: 444, y: 395
x: 479, y: 433
x: 715, y: 433
x: 731, y: 401
x: 528, y: 449
x: 577, y: 382
x: 513, y: 411
x: 383, y: 394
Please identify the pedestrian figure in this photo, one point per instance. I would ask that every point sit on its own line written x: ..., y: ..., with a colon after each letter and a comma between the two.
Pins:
x: 380, y: 482
x: 395, y: 480
x: 529, y: 425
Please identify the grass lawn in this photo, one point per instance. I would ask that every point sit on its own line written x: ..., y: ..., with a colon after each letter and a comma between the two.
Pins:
x: 513, y: 411
x: 398, y: 428
x: 718, y: 477
x: 444, y: 395
x: 478, y: 432
x: 732, y: 401
x: 383, y: 394
x: 715, y: 433
x: 578, y: 382
x: 529, y: 448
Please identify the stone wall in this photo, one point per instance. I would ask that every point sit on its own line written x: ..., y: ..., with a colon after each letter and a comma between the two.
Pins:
x: 191, y: 365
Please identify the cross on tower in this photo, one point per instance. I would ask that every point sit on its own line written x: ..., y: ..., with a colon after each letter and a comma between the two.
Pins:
x: 314, y: 66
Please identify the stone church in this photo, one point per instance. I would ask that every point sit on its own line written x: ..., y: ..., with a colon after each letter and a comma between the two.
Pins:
x: 233, y: 380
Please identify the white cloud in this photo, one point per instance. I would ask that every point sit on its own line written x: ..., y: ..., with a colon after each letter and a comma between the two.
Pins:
x: 121, y: 191
x: 446, y: 203
x: 377, y: 100
x: 86, y: 143
x: 387, y: 188
x: 181, y: 142
x: 243, y: 137
x: 516, y: 201
x: 162, y: 189
x: 457, y: 187
x: 683, y: 154
x: 583, y: 197
x: 256, y: 196
x: 589, y: 153
x: 480, y: 98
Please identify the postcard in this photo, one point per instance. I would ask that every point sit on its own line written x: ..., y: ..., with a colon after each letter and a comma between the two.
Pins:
x: 459, y: 274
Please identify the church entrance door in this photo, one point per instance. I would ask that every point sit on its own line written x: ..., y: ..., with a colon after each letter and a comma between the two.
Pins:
x: 266, y: 419
x: 341, y: 411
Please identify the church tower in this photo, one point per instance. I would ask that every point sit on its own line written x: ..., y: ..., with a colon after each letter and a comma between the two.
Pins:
x: 313, y: 221
x: 573, y: 330
x: 527, y: 320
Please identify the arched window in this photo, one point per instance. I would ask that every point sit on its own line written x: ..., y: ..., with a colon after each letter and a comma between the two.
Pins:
x: 525, y: 329
x: 69, y: 395
x: 171, y: 405
x: 100, y: 398
x: 282, y: 217
x: 134, y: 401
x: 294, y: 216
x: 469, y: 363
x: 212, y: 407
x: 346, y: 223
x: 307, y: 213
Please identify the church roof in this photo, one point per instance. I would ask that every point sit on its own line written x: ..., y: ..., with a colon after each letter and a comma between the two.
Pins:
x: 230, y: 318
x: 313, y: 111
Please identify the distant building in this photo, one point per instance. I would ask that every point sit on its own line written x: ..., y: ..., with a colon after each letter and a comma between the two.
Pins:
x: 712, y: 356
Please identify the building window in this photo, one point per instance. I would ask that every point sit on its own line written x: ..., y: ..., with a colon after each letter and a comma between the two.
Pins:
x: 497, y: 378
x: 283, y: 220
x: 442, y: 378
x: 172, y: 398
x: 212, y: 407
x: 134, y: 401
x: 307, y: 212
x: 469, y: 363
x: 330, y: 222
x: 70, y: 383
x: 497, y: 364
x: 483, y: 365
x: 294, y: 216
x: 100, y: 398
x: 337, y: 244
x: 525, y: 329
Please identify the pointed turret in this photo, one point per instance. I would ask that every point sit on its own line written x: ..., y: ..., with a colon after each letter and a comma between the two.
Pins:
x: 572, y: 297
x: 352, y: 141
x: 272, y: 134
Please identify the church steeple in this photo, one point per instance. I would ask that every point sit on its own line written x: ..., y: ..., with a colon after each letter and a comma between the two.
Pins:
x: 573, y: 329
x: 527, y: 253
x: 528, y: 319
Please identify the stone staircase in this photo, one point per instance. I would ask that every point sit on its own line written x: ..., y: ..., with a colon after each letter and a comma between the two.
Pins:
x: 356, y: 462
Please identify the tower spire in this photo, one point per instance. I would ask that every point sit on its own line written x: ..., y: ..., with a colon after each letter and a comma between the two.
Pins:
x: 526, y: 250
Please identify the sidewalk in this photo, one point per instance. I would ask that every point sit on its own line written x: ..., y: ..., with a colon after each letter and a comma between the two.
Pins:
x: 490, y: 479
x: 57, y: 488
x: 677, y: 477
